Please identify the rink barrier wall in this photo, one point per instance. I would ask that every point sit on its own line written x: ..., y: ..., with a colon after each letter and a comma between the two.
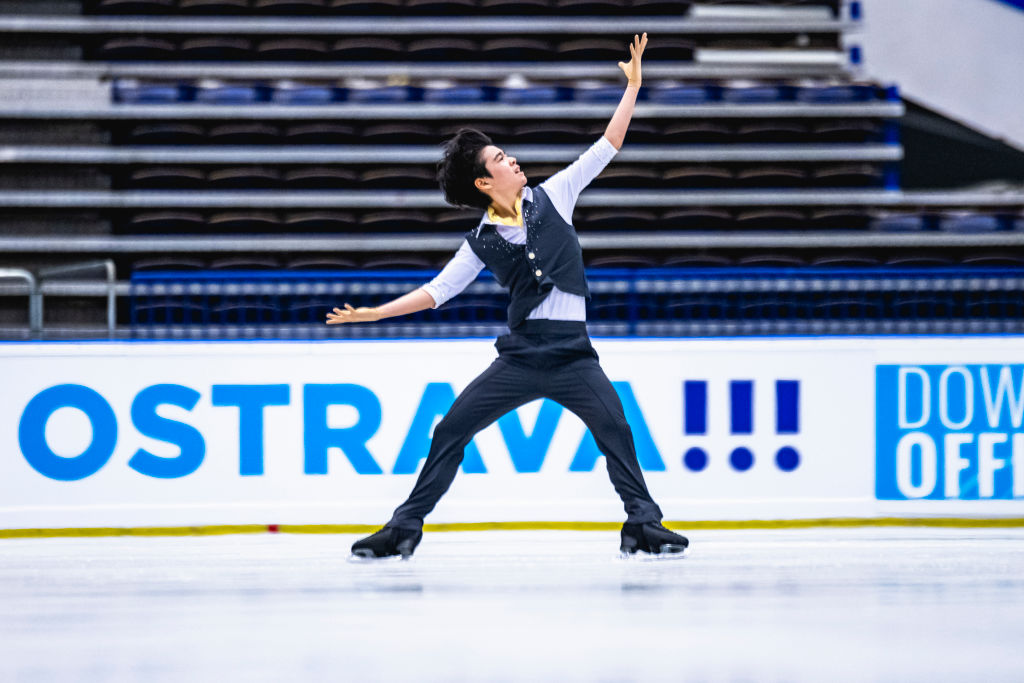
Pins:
x: 235, y: 435
x: 228, y: 529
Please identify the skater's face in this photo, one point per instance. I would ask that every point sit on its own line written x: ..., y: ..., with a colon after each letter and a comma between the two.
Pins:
x: 506, y: 177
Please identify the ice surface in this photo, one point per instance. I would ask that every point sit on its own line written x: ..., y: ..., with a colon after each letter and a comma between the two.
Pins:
x: 909, y: 604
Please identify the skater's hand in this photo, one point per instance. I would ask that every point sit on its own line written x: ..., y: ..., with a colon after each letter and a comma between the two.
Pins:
x: 362, y: 314
x: 632, y: 69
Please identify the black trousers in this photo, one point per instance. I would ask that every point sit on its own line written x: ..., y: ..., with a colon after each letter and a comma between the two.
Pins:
x: 538, y: 359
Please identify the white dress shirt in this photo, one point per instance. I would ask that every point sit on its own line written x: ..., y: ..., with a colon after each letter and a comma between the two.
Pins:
x: 563, y: 189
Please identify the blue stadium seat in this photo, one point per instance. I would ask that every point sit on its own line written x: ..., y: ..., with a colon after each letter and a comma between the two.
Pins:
x: 596, y: 92
x: 836, y: 94
x: 670, y: 93
x: 754, y: 94
x: 231, y: 93
x: 386, y: 94
x: 298, y: 93
x: 457, y: 94
x: 971, y: 222
x: 533, y: 94
x: 128, y: 91
x: 898, y: 222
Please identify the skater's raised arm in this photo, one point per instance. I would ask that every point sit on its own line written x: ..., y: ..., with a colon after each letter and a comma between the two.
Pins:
x: 455, y: 277
x: 616, y: 130
x: 564, y: 187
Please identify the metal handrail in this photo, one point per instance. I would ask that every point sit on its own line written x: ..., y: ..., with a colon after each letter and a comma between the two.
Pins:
x: 35, y: 298
x: 111, y: 285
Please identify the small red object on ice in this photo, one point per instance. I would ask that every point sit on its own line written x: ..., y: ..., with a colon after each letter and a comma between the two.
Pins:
x: 272, y: 528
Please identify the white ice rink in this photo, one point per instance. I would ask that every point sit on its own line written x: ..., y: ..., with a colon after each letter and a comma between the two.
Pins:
x: 908, y: 604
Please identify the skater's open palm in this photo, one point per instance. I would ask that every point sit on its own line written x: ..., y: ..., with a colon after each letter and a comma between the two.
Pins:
x: 632, y: 68
x: 352, y: 315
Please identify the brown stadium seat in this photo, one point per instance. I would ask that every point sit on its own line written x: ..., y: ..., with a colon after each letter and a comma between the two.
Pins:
x: 214, y: 6
x: 166, y: 221
x: 406, y: 220
x: 319, y: 221
x: 320, y: 178
x: 244, y: 221
x: 244, y: 178
x: 319, y: 133
x: 166, y: 133
x: 292, y: 49
x: 166, y: 178
x: 516, y: 49
x: 220, y: 48
x: 136, y: 48
x: 290, y: 7
x: 399, y: 178
x: 244, y: 133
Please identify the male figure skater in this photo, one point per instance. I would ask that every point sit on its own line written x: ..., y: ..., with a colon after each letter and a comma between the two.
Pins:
x: 527, y: 241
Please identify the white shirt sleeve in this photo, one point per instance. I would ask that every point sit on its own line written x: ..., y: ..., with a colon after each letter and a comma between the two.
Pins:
x: 565, y: 186
x: 455, y: 276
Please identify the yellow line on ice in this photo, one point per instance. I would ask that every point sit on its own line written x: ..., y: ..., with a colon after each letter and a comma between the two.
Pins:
x: 215, y: 530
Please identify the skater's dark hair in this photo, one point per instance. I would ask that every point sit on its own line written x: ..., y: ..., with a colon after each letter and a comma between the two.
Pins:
x: 461, y: 165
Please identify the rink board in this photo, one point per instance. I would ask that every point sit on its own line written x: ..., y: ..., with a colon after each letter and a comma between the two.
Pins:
x: 165, y: 434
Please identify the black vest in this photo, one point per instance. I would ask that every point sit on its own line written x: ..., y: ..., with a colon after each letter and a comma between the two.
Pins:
x: 551, y: 257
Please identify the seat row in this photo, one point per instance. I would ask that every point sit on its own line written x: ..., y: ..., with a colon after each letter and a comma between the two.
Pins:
x: 450, y: 48
x: 371, y: 222
x: 741, y: 176
x: 426, y: 7
x: 130, y: 91
x: 365, y: 263
x: 420, y: 132
x: 652, y: 295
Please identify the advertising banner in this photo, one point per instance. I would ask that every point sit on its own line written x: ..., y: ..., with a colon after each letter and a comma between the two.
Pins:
x: 161, y: 434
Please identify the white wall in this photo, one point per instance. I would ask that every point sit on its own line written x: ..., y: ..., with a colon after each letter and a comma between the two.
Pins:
x: 963, y: 58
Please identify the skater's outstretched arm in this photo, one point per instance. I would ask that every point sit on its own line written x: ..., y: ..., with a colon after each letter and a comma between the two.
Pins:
x: 454, y: 278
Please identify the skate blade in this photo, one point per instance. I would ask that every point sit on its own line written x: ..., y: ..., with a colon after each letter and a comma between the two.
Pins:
x: 668, y: 552
x: 359, y: 557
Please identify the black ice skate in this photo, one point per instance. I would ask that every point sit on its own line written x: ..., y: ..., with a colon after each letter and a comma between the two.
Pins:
x: 388, y: 542
x: 653, y: 539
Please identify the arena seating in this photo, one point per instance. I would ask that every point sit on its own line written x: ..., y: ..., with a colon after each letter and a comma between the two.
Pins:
x: 294, y: 140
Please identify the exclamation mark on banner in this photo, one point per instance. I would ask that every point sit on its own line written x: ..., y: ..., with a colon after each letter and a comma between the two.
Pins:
x: 695, y: 421
x: 741, y: 421
x: 787, y: 421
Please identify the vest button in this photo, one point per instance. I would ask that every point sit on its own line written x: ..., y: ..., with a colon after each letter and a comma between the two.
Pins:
x: 538, y: 272
x: 531, y: 255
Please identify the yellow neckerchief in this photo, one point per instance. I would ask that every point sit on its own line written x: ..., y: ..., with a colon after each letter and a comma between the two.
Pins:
x: 516, y: 220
